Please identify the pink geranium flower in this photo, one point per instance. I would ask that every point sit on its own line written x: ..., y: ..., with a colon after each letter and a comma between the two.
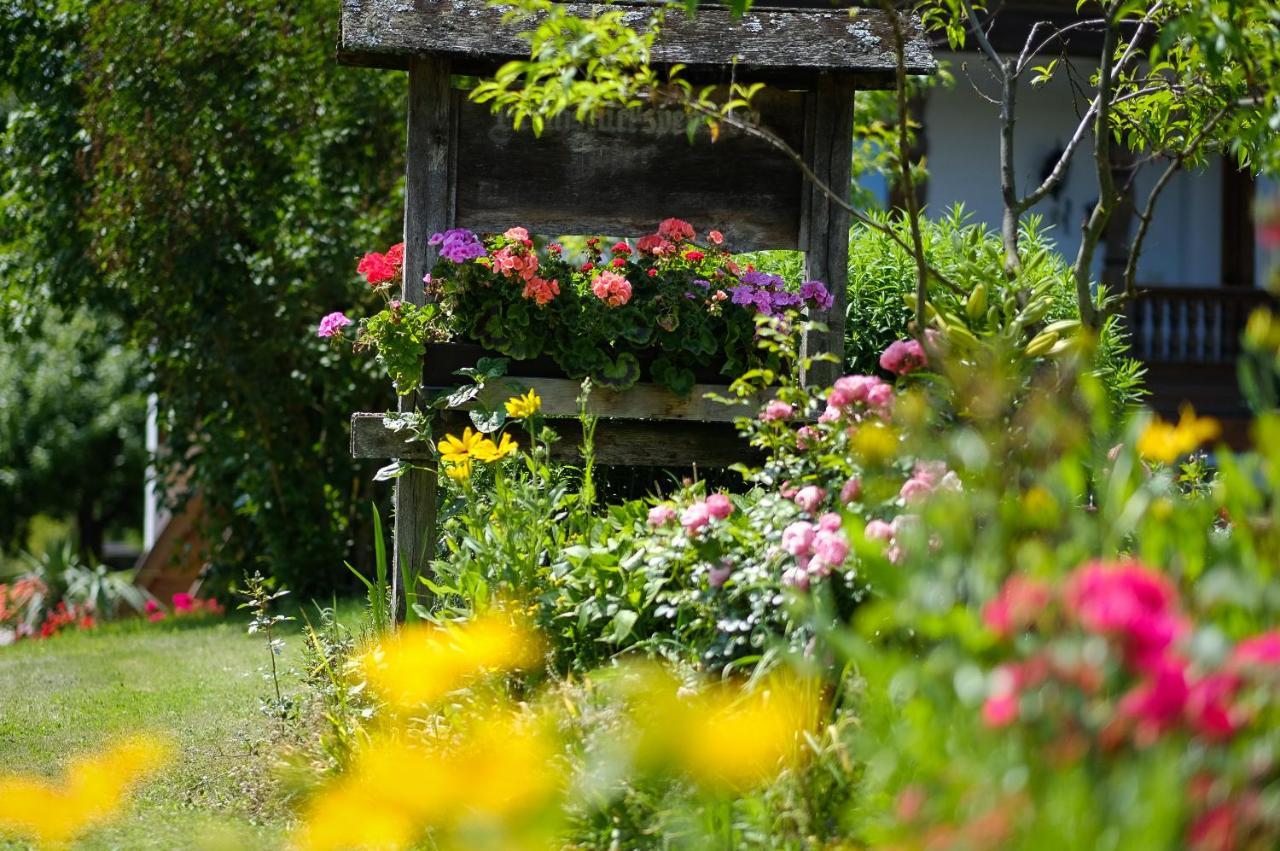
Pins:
x: 1261, y: 650
x: 611, y: 288
x: 676, y: 230
x: 183, y: 602
x: 332, y: 324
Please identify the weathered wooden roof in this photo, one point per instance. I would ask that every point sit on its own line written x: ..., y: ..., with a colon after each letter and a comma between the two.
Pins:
x: 773, y: 42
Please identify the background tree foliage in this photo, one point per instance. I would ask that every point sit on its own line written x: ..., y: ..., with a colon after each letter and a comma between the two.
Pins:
x: 207, y: 173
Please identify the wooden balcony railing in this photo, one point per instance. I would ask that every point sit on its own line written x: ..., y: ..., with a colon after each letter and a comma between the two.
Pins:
x: 1199, y: 325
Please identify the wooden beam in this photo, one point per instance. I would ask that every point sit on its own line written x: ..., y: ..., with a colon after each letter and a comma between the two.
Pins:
x: 428, y: 208
x: 384, y: 33
x: 641, y: 402
x: 654, y: 443
x: 824, y: 225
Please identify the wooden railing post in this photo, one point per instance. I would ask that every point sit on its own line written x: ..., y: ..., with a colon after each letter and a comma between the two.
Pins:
x: 428, y: 208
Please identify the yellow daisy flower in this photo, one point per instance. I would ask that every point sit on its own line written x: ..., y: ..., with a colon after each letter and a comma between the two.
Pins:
x: 522, y: 407
x: 457, y: 450
x: 488, y: 451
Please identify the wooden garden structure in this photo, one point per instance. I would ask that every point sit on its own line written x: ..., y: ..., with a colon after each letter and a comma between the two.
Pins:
x: 468, y: 168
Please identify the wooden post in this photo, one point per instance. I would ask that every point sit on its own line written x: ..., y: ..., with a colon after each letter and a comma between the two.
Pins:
x: 428, y: 209
x: 824, y: 225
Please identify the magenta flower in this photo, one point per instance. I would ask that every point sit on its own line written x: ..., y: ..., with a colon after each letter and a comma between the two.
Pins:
x: 810, y: 497
x: 1129, y: 602
x: 1156, y: 704
x: 851, y: 491
x: 661, y: 515
x: 332, y: 325
x: 903, y: 356
x: 1209, y: 710
x: 719, y: 506
x: 1260, y: 650
x: 183, y: 602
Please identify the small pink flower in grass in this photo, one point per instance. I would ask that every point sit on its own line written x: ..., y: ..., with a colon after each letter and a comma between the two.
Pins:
x: 332, y: 324
x: 810, y: 497
x: 903, y: 356
x: 777, y: 410
x: 851, y: 491
x: 695, y: 517
x: 151, y: 607
x: 719, y: 506
x: 183, y: 602
x: 661, y: 515
x: 797, y: 538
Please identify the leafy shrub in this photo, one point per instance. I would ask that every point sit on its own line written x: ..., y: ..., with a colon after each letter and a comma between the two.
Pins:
x: 882, y: 279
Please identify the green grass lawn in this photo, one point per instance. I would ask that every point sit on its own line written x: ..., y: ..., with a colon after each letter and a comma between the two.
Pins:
x: 198, y: 685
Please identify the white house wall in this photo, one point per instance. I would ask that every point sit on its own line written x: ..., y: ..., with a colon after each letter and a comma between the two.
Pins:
x: 1184, y: 244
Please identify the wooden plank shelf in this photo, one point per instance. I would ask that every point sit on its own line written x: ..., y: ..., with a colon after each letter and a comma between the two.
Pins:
x: 627, y: 442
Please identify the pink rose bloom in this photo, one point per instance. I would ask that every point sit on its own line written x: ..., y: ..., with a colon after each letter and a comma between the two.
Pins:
x: 1157, y: 703
x: 1017, y: 606
x: 1129, y: 602
x: 852, y: 389
x: 786, y: 491
x: 878, y: 530
x: 717, y: 576
x: 797, y: 538
x: 719, y: 506
x: 611, y: 288
x: 183, y: 602
x: 831, y: 547
x: 796, y: 577
x: 830, y: 522
x: 818, y: 567
x: 518, y: 234
x: 810, y: 497
x: 804, y: 436
x: 1209, y: 710
x: 715, y: 237
x: 695, y: 517
x: 661, y: 515
x: 777, y: 410
x: 880, y: 396
x: 1000, y: 710
x: 903, y: 356
x: 332, y: 325
x: 1260, y: 650
x: 914, y: 490
x: 1001, y: 706
x: 851, y: 491
x: 830, y: 415
x: 896, y: 554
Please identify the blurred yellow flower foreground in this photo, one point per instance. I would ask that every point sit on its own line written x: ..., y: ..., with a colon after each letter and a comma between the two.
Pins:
x: 93, y: 791
x: 481, y: 770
